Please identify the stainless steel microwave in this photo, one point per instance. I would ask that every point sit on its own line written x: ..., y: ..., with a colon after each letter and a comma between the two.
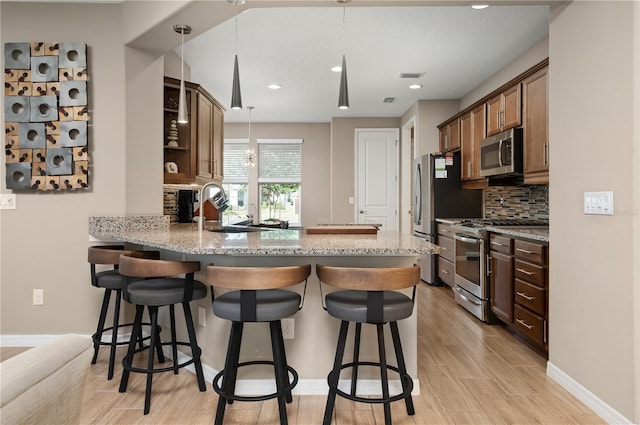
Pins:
x: 501, y: 154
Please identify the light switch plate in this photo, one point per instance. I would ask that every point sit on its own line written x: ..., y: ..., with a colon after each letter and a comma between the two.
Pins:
x: 7, y: 201
x: 598, y: 203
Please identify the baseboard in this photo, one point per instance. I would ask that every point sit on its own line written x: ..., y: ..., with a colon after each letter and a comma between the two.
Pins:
x: 602, y: 409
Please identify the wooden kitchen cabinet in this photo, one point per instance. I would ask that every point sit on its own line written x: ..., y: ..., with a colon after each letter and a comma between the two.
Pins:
x: 520, y: 288
x: 449, y: 136
x: 210, y: 138
x: 504, y: 110
x: 501, y: 278
x: 473, y: 129
x: 198, y: 156
x: 446, y: 258
x: 535, y: 103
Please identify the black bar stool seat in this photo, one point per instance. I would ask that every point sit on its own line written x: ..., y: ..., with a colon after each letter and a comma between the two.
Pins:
x: 256, y: 296
x: 352, y: 306
x: 369, y: 296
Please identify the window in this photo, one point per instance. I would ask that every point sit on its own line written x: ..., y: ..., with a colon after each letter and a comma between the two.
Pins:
x: 236, y: 179
x: 279, y: 179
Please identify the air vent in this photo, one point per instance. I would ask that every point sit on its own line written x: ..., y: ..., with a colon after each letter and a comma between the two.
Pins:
x: 388, y: 100
x: 411, y: 75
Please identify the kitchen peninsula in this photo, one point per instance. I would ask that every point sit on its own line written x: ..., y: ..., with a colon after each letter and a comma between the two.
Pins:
x: 311, y: 350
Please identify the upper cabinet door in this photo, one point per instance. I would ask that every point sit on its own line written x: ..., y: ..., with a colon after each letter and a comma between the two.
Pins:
x: 466, y: 147
x: 504, y: 111
x: 205, y: 137
x: 218, y: 142
x: 479, y: 128
x: 535, y: 99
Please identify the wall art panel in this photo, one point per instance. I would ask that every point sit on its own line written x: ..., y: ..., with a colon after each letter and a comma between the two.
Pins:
x: 46, y: 116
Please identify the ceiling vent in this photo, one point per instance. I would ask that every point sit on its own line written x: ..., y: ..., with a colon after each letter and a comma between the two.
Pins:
x: 411, y: 75
x: 388, y: 100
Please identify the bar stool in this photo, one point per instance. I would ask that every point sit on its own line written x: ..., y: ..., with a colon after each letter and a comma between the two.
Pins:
x: 368, y: 295
x: 158, y: 289
x: 256, y: 296
x: 110, y: 280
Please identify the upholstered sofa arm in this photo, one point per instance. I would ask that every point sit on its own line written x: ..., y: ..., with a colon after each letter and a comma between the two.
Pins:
x: 45, y: 385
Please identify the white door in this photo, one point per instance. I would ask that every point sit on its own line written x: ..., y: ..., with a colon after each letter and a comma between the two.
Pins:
x: 377, y: 177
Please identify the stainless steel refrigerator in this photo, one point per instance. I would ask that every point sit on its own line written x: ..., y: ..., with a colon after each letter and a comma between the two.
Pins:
x: 438, y: 193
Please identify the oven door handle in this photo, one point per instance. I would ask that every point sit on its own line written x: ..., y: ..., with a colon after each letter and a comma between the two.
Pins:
x: 466, y: 239
x: 461, y: 295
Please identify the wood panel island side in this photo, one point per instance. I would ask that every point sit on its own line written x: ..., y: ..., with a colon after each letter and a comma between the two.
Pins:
x: 312, y: 349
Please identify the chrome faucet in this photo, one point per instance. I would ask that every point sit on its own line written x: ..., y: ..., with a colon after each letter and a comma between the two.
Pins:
x: 219, y: 202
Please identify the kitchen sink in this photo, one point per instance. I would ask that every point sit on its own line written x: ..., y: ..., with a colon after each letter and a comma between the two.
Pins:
x: 234, y: 229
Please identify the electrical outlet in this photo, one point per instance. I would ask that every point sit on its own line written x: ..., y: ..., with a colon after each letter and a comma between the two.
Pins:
x: 287, y: 328
x: 202, y: 316
x: 38, y: 297
x: 7, y: 201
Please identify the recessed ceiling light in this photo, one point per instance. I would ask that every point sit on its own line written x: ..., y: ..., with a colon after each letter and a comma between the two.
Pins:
x: 274, y: 86
x: 415, y: 86
x: 479, y: 6
x: 336, y: 68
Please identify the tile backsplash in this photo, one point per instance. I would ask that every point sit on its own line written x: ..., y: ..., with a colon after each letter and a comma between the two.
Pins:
x: 528, y: 201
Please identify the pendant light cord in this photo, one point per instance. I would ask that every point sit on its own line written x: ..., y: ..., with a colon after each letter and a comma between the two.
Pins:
x: 344, y: 37
x: 236, y: 27
x: 182, y: 56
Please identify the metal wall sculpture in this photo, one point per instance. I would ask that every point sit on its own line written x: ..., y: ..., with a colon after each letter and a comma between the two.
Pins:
x: 46, y: 116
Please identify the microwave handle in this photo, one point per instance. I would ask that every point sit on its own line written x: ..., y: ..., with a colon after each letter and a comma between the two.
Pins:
x: 500, y: 152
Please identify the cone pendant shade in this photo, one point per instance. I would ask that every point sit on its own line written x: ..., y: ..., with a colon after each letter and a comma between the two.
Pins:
x: 183, y: 117
x: 343, y: 99
x: 236, y: 97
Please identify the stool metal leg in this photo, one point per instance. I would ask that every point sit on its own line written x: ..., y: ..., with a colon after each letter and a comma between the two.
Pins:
x: 356, y: 358
x: 278, y: 368
x: 230, y: 369
x: 128, y: 359
x: 404, y: 377
x: 195, y: 349
x: 158, y: 341
x: 97, y: 337
x: 334, y: 376
x: 174, y: 346
x: 114, y: 334
x: 285, y: 375
x: 153, y: 312
x: 383, y: 374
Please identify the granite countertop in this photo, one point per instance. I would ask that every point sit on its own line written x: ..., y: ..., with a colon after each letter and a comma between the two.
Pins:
x: 535, y: 233
x: 157, y: 232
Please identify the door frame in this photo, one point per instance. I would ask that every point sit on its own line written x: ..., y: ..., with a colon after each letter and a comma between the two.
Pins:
x: 408, y: 152
x: 356, y: 134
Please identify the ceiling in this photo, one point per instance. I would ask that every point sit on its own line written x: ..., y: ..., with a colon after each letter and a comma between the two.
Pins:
x: 456, y: 48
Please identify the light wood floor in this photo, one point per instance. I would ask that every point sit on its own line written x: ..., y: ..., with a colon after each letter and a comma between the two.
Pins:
x: 470, y: 373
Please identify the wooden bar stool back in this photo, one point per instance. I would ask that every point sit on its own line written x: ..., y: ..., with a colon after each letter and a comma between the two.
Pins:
x: 109, y: 280
x: 369, y: 295
x: 159, y: 288
x: 256, y: 295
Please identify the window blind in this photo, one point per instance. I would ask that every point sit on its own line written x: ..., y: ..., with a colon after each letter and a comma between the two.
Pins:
x: 280, y: 161
x: 235, y: 160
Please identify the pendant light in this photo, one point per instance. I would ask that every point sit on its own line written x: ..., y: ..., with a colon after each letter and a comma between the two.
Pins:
x: 343, y: 98
x: 250, y: 153
x: 236, y: 97
x: 183, y: 116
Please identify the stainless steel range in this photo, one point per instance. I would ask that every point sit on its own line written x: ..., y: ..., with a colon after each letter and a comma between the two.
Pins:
x: 471, y: 289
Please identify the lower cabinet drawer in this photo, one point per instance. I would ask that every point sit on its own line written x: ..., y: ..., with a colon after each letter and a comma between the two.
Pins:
x: 446, y: 248
x: 529, y: 324
x: 529, y: 296
x: 445, y: 271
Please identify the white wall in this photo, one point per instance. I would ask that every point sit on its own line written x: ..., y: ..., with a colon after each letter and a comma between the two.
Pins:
x: 593, y: 147
x: 44, y: 241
